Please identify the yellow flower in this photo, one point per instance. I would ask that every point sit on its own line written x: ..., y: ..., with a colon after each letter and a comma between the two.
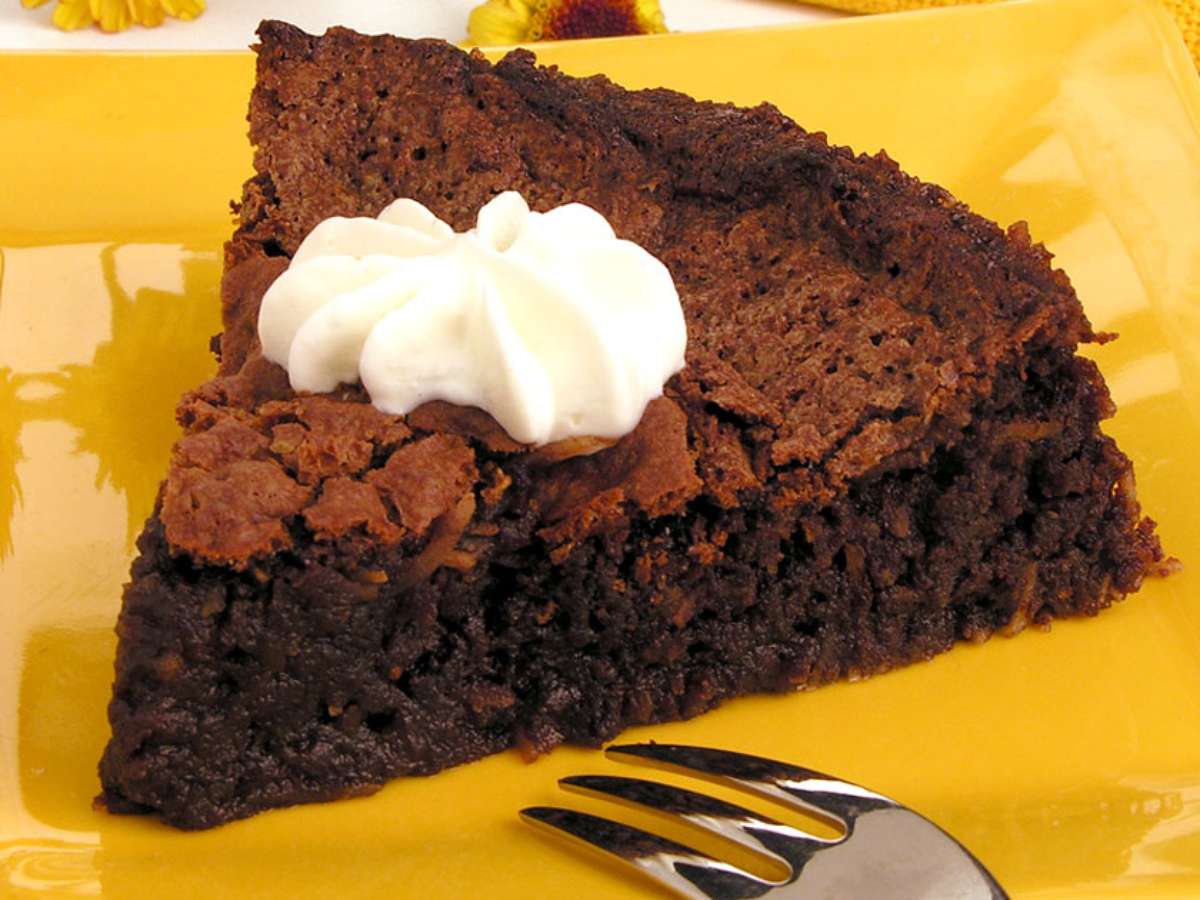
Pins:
x: 517, y: 21
x: 117, y: 15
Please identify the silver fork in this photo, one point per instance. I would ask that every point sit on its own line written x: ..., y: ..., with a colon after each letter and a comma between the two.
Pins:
x: 887, y: 850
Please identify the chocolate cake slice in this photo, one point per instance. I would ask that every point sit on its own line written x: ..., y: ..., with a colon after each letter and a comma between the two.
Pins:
x: 883, y: 443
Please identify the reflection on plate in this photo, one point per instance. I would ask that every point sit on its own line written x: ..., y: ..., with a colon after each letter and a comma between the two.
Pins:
x: 1069, y: 762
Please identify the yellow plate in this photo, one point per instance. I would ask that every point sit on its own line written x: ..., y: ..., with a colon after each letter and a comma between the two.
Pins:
x: 1069, y: 761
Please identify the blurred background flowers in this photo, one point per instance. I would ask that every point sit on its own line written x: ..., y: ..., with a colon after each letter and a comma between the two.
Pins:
x: 117, y: 15
x: 504, y: 22
x: 514, y: 21
x: 501, y: 22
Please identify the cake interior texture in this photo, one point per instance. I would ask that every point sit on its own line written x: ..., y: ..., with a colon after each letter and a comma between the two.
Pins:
x: 883, y: 443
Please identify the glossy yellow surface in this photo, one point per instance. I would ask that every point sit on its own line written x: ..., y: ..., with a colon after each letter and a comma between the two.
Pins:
x: 1069, y: 761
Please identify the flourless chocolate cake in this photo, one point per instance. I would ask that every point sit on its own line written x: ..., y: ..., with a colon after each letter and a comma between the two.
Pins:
x: 883, y: 443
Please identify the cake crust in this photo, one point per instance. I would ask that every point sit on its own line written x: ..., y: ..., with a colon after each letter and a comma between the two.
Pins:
x: 883, y: 443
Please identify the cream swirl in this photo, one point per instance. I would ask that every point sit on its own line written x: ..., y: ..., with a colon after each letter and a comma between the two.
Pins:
x: 547, y: 321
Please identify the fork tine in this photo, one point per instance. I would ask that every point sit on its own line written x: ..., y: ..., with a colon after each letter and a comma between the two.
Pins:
x: 794, y: 786
x: 682, y: 869
x: 759, y: 833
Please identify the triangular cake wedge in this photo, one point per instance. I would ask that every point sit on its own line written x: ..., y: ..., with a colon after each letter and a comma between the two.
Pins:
x: 883, y: 443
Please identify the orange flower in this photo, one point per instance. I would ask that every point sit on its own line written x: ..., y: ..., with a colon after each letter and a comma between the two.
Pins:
x: 518, y: 21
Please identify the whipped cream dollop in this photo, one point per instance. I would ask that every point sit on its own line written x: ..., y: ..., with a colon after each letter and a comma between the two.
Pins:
x: 547, y: 321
